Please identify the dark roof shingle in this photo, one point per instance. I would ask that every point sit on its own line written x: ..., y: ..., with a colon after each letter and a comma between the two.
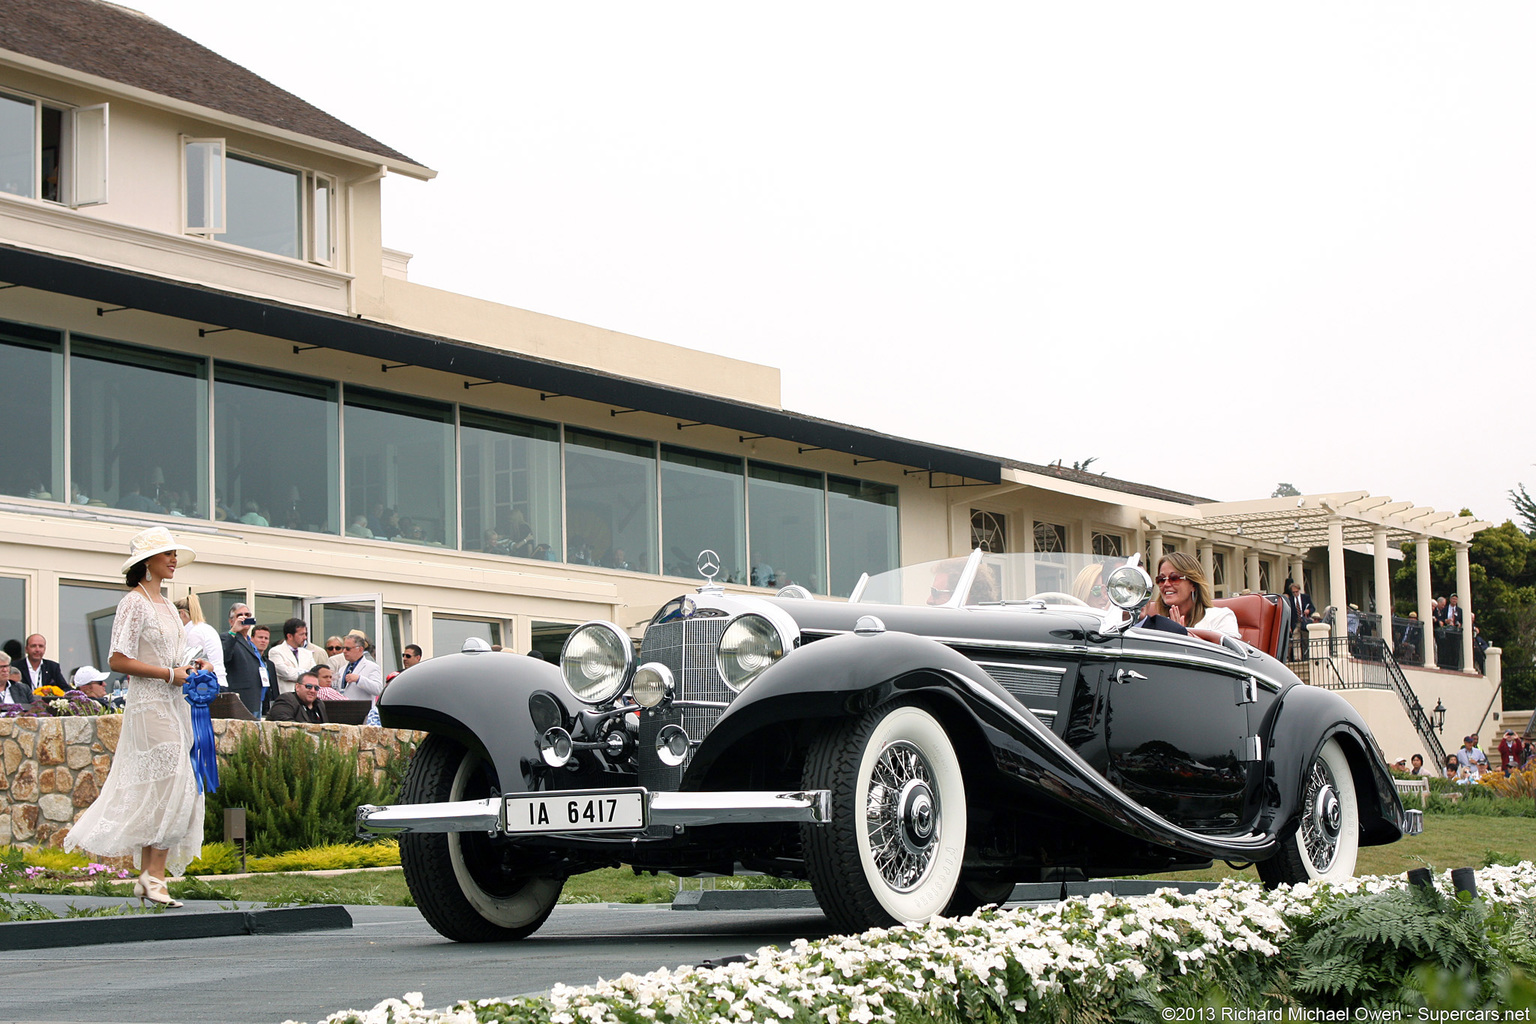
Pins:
x: 122, y: 45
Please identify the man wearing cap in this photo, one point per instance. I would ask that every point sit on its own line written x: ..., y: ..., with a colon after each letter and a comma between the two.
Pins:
x: 93, y: 683
x: 1470, y: 755
x: 1510, y: 751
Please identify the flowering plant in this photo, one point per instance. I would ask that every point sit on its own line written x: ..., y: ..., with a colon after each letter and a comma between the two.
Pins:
x: 52, y: 702
x: 1098, y: 957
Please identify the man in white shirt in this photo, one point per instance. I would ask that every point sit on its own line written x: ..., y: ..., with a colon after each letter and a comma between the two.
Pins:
x: 363, y: 678
x: 291, y: 658
x: 16, y: 692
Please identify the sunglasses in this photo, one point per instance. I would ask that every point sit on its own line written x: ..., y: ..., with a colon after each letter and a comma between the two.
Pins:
x: 1172, y: 577
x: 333, y: 648
x: 309, y: 686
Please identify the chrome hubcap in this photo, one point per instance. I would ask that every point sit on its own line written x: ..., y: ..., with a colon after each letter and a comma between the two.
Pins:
x: 902, y: 816
x: 1323, y: 817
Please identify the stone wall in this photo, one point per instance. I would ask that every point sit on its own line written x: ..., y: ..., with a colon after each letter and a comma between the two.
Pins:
x: 51, y: 769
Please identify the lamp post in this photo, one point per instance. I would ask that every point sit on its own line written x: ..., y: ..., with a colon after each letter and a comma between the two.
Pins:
x: 1439, y: 715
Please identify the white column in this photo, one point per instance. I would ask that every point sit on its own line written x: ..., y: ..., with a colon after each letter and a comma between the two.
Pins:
x: 1464, y: 594
x: 1426, y: 599
x: 1251, y: 563
x: 1155, y: 545
x: 1298, y: 572
x: 1208, y: 562
x: 1383, y: 583
x: 1336, y: 592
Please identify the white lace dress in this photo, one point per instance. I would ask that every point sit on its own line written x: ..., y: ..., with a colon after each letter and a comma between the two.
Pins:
x: 150, y: 797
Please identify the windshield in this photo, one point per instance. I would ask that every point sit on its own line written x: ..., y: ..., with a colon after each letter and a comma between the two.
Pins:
x: 1055, y: 577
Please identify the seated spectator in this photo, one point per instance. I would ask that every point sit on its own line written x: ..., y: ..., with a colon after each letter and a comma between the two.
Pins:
x: 93, y: 684
x: 520, y: 536
x: 1416, y: 765
x: 1184, y: 596
x: 1511, y: 752
x: 252, y: 515
x: 1453, y: 767
x: 301, y: 704
x: 359, y: 527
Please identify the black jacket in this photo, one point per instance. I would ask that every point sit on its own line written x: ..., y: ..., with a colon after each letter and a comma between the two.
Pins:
x: 287, y: 708
x: 242, y: 670
x: 49, y: 671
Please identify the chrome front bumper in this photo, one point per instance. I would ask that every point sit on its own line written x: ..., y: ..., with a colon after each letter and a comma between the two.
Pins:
x: 675, y: 809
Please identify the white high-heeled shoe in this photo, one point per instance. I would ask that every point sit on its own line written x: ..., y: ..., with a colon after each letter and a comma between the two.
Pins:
x: 148, y: 887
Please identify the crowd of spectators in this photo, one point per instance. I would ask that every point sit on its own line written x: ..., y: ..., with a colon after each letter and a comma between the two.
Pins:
x: 1469, y: 764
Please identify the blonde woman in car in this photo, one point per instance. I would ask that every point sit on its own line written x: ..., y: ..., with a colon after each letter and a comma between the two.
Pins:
x: 1184, y: 595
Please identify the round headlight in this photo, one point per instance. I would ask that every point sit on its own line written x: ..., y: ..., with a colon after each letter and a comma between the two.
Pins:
x: 1129, y: 587
x: 749, y: 645
x: 653, y: 684
x: 596, y: 662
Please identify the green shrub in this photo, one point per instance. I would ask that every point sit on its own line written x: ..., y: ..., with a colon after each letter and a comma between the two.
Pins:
x: 55, y: 859
x: 298, y: 791
x: 339, y: 857
x: 216, y: 859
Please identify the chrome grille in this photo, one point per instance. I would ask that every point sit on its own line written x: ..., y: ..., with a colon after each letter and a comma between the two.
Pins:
x: 1037, y: 687
x: 687, y: 648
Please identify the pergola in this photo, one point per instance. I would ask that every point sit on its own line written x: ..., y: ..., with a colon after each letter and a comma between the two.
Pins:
x: 1295, y: 524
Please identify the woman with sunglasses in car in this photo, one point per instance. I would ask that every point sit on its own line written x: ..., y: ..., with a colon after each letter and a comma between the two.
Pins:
x: 1184, y: 595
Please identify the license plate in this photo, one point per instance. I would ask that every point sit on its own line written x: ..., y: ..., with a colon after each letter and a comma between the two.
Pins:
x: 587, y: 810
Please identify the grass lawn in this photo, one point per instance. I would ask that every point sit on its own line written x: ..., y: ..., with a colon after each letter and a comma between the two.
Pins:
x: 1448, y: 841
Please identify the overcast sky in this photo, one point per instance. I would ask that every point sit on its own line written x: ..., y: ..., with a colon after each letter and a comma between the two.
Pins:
x: 1214, y: 246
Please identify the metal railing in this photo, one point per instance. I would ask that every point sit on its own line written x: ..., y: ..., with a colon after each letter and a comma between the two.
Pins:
x: 1364, y: 663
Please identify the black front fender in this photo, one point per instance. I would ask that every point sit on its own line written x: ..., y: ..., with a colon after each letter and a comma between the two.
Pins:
x: 480, y: 700
x: 1295, y: 729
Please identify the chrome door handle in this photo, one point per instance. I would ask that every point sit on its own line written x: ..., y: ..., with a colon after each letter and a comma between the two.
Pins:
x: 1125, y: 675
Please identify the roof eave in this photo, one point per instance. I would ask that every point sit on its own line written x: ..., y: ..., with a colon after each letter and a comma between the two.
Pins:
x: 159, y: 100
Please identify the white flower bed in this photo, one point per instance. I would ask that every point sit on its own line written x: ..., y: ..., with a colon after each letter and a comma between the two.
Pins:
x: 1021, y: 961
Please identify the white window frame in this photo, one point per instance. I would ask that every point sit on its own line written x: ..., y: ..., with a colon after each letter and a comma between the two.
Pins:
x: 314, y: 182
x: 214, y: 189
x: 80, y: 128
x: 89, y: 155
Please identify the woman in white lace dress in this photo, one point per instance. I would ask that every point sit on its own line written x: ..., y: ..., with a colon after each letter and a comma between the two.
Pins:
x: 150, y: 806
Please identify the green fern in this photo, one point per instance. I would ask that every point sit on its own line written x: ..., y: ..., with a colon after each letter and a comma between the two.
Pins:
x: 298, y: 791
x: 1364, y: 949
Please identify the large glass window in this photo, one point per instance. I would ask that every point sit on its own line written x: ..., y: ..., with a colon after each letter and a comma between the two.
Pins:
x: 449, y: 634
x: 862, y: 524
x: 32, y: 367
x: 13, y: 610
x: 789, y: 529
x: 263, y: 206
x: 400, y: 468
x: 18, y: 139
x: 53, y: 154
x: 511, y: 494
x: 703, y: 505
x: 139, y: 428
x: 610, y: 501
x: 86, y: 612
x: 276, y: 450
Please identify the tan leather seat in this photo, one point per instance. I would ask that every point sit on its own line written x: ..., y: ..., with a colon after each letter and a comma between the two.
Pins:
x: 1258, y: 620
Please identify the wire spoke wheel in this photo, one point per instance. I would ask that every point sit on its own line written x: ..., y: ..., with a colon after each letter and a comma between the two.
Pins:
x: 894, y: 848
x: 1326, y: 840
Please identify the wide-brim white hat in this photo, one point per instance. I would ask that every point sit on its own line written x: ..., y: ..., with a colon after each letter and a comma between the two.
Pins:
x: 152, y: 542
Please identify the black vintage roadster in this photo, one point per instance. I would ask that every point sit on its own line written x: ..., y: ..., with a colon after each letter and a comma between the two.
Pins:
x: 953, y: 729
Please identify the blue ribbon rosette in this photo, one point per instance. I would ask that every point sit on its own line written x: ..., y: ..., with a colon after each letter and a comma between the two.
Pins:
x: 201, y: 688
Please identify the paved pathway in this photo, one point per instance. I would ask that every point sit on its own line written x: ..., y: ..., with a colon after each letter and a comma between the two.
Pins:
x: 266, y: 979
